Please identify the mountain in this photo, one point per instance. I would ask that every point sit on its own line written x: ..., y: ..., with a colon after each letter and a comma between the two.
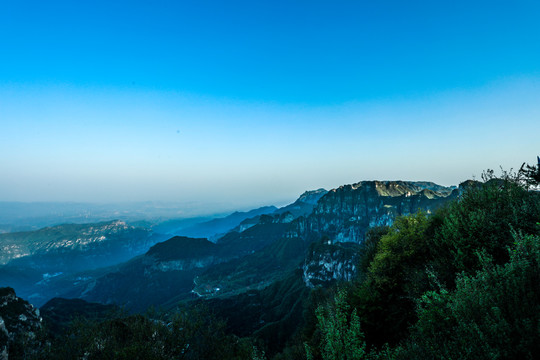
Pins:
x: 345, y: 214
x: 37, y: 263
x: 268, y: 229
x: 166, y: 270
x: 66, y: 260
x: 341, y: 215
x: 214, y: 228
x: 304, y: 205
x: 89, y: 245
x: 317, y: 235
x: 323, y: 245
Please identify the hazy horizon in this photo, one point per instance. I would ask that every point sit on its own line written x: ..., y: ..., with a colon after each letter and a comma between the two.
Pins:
x: 249, y: 104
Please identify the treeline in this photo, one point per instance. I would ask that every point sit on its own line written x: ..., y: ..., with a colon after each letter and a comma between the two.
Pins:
x: 190, y: 333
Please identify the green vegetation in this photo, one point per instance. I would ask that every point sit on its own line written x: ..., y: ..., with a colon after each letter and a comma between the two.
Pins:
x: 342, y: 338
x: 494, y: 314
x: 463, y: 283
x: 192, y: 333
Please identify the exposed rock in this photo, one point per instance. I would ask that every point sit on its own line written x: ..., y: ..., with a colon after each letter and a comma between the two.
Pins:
x: 19, y: 322
x: 304, y: 205
x: 345, y: 214
x: 326, y: 263
x: 312, y: 196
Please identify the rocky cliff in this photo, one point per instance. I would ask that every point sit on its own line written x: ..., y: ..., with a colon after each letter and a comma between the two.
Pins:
x: 326, y: 262
x: 345, y: 214
x: 19, y: 323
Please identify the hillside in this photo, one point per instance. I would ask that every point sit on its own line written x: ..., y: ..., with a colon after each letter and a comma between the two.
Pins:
x: 48, y: 262
x: 105, y: 242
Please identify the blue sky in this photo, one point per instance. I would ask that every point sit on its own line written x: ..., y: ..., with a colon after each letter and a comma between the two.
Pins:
x: 242, y: 104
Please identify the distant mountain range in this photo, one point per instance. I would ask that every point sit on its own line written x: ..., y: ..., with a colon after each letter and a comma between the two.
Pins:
x: 215, y: 228
x: 31, y: 260
x: 29, y: 216
x: 116, y: 263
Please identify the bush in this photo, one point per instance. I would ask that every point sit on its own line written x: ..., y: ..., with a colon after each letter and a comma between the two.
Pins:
x: 482, y: 221
x: 494, y: 314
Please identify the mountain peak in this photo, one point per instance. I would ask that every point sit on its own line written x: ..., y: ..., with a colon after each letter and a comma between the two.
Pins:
x: 312, y: 196
x: 393, y: 188
x: 181, y: 247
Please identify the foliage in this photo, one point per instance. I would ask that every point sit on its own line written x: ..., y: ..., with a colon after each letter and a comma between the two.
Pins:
x: 494, y: 314
x: 369, y: 247
x: 482, y: 221
x: 399, y: 251
x: 191, y: 334
x: 529, y: 175
x: 342, y: 338
x: 396, y: 277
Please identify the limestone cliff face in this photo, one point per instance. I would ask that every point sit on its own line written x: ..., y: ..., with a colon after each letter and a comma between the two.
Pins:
x: 19, y: 322
x: 344, y: 214
x: 326, y: 262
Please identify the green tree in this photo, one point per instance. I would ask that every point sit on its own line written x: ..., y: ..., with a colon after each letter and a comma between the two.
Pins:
x: 369, y: 246
x: 529, y: 175
x: 396, y: 278
x: 482, y: 221
x: 494, y: 314
x: 192, y: 333
x: 342, y: 338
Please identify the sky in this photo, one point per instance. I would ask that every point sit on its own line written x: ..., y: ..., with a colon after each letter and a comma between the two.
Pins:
x: 237, y: 104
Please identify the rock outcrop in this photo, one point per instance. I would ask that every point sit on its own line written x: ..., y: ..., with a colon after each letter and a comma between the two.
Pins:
x: 345, y: 214
x: 326, y: 263
x: 19, y: 323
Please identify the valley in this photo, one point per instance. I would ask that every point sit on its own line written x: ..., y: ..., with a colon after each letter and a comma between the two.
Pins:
x: 260, y: 273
